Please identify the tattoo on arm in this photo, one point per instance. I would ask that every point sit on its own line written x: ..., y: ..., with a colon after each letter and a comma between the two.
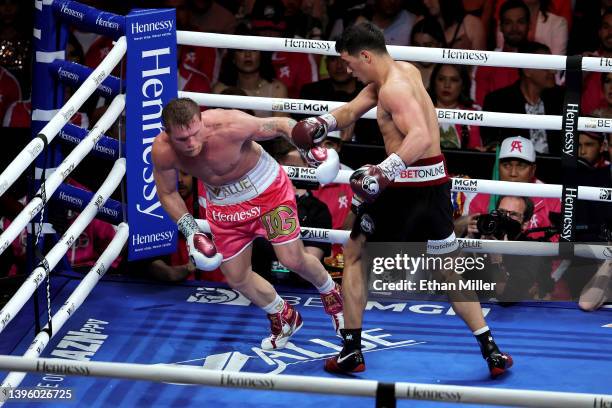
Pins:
x: 275, y: 127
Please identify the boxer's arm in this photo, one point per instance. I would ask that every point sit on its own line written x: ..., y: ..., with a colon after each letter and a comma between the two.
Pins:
x: 350, y: 112
x: 166, y: 177
x: 311, y: 131
x: 270, y: 128
x: 409, y: 117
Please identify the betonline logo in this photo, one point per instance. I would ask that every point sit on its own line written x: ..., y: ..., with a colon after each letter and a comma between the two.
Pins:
x: 156, y: 26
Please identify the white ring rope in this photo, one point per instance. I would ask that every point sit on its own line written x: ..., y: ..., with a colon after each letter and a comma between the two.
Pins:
x: 63, y: 170
x: 300, y: 383
x: 496, y: 187
x: 528, y: 248
x: 25, y: 291
x: 74, y: 301
x: 451, y: 116
x: 422, y: 54
x: 36, y: 146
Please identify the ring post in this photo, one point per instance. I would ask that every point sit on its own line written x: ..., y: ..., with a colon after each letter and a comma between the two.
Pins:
x: 151, y: 83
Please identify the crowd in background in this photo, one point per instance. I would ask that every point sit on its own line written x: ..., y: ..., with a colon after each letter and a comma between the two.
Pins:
x: 561, y: 27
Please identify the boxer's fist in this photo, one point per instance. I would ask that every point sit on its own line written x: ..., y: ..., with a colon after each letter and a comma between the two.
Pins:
x: 310, y: 131
x: 367, y: 182
x: 325, y: 161
x: 202, y: 252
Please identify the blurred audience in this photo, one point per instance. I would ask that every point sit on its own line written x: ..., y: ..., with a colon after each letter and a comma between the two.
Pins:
x: 211, y: 17
x: 427, y: 33
x: 545, y: 27
x: 252, y: 72
x: 292, y: 68
x: 535, y: 93
x: 514, y: 26
x: 450, y: 89
x: 517, y: 163
x: 463, y: 31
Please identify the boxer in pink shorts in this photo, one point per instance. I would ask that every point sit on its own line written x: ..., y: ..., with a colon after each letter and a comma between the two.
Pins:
x: 248, y: 195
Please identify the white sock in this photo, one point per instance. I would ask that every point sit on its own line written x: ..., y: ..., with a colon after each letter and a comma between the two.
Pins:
x: 327, y: 286
x: 480, y: 331
x: 276, y: 306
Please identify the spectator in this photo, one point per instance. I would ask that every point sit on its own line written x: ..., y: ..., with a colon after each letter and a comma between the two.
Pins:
x: 252, y: 72
x: 292, y: 69
x: 19, y: 112
x: 209, y: 16
x: 395, y: 22
x: 517, y: 164
x: 461, y: 30
x: 592, y: 92
x: 514, y: 26
x: 450, y: 89
x: 197, y: 66
x: 338, y: 198
x: 176, y: 267
x: 605, y: 111
x: 519, y: 277
x: 342, y: 87
x: 597, y: 291
x: 591, y: 149
x: 10, y: 92
x: 299, y: 23
x: 535, y: 93
x: 351, y: 14
x: 549, y: 23
x: 483, y: 9
x: 15, y: 45
x: 427, y: 33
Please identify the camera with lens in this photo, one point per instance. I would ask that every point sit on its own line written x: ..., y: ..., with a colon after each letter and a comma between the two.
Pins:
x: 498, y: 224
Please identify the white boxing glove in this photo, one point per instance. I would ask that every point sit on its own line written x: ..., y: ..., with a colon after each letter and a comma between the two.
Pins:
x: 202, y: 251
x: 325, y: 161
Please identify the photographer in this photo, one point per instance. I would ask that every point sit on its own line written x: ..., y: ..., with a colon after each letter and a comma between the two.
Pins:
x: 517, y: 277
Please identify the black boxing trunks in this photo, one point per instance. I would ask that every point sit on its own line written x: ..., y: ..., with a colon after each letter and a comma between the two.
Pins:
x: 415, y: 208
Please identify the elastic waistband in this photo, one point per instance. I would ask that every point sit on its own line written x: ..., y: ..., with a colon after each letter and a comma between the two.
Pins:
x: 249, y: 186
x: 425, y: 172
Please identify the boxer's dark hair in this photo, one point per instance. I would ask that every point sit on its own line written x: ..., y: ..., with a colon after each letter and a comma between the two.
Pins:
x: 179, y: 112
x: 359, y: 37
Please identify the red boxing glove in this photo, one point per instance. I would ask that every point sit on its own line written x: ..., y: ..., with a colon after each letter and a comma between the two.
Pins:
x: 310, y: 131
x: 368, y: 181
x: 202, y: 251
x: 325, y: 161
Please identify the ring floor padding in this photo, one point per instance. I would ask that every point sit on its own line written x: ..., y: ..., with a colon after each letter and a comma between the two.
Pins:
x: 556, y: 347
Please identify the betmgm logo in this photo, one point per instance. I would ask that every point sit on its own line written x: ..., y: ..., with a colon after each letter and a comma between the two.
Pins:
x: 219, y: 296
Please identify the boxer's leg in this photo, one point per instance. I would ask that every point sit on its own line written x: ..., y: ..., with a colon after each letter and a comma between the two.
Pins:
x: 284, y: 319
x: 293, y: 256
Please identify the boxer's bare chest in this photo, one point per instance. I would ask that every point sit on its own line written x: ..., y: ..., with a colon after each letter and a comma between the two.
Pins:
x: 221, y: 160
x: 392, y: 136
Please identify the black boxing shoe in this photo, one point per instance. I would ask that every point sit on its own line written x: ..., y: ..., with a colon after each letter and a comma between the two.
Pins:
x: 499, y: 363
x: 352, y: 362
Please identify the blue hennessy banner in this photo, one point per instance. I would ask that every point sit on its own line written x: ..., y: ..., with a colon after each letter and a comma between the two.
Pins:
x: 151, y: 83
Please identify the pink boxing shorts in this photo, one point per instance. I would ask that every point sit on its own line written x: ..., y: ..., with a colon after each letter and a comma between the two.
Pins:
x: 259, y: 204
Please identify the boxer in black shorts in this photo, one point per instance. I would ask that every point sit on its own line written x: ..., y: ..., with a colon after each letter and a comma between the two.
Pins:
x: 409, y: 125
